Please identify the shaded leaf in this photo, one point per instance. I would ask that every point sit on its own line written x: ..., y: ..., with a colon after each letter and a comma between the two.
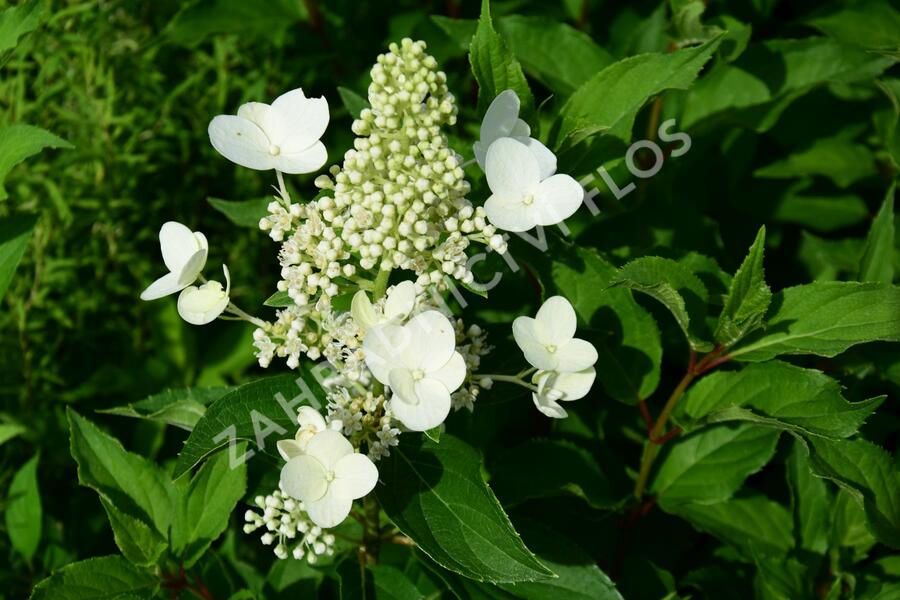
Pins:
x: 825, y: 318
x: 104, y: 578
x: 436, y: 495
x: 262, y: 411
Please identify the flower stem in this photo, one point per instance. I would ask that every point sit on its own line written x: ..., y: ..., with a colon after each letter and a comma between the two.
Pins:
x: 652, y: 447
x: 285, y: 196
x: 233, y: 309
x: 655, y: 433
x: 380, y: 285
x: 516, y: 379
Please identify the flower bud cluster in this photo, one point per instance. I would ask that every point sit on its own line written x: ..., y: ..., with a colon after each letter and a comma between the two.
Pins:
x: 397, y: 201
x: 472, y: 344
x: 288, y: 528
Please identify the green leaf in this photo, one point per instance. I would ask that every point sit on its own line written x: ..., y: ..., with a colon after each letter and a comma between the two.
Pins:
x: 753, y: 524
x: 243, y: 213
x: 710, y: 465
x: 564, y: 468
x: 559, y: 56
x: 822, y: 213
x: 262, y: 411
x: 279, y: 300
x: 801, y: 400
x: 16, y: 21
x: 870, y: 23
x: 618, y: 92
x: 208, y: 503
x: 494, y: 66
x: 578, y: 577
x: 676, y: 287
x: 825, y: 318
x: 200, y: 20
x: 23, y: 510
x: 9, y: 430
x: 811, y: 502
x: 392, y: 584
x: 139, y: 542
x: 748, y: 298
x: 627, y: 341
x: 868, y: 474
x: 877, y: 260
x: 15, y: 231
x: 181, y: 408
x: 757, y: 87
x: 435, y: 494
x: 18, y: 142
x: 131, y: 483
x: 840, y: 159
x: 104, y: 578
x: 353, y: 102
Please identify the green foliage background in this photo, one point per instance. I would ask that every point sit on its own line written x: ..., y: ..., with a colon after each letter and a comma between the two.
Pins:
x: 792, y: 109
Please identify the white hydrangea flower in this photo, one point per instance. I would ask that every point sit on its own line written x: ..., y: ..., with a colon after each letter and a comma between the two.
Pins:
x: 328, y: 477
x: 311, y: 422
x: 521, y: 197
x: 554, y: 387
x: 201, y: 305
x: 399, y: 303
x: 501, y: 120
x: 184, y: 253
x: 549, y: 342
x: 282, y: 136
x: 420, y: 364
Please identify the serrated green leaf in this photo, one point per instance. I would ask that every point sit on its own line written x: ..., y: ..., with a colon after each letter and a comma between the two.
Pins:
x: 578, y: 577
x: 132, y: 484
x: 243, y: 213
x: 279, y: 300
x: 139, y: 542
x: 436, y: 495
x: 207, y: 504
x: 104, y: 578
x: 811, y: 502
x: 23, y: 510
x: 262, y: 412
x: 819, y: 212
x: 751, y: 523
x: 494, y: 66
x: 710, y: 465
x: 563, y: 468
x: 877, y: 262
x: 557, y: 55
x: 870, y: 23
x: 801, y: 400
x: 617, y: 93
x: 353, y: 102
x: 18, y: 142
x: 16, y: 21
x: 627, y: 340
x: 824, y: 318
x: 868, y: 474
x: 748, y: 298
x: 180, y: 408
x: 840, y: 159
x: 754, y: 93
x: 391, y: 584
x: 675, y: 287
x: 15, y: 232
